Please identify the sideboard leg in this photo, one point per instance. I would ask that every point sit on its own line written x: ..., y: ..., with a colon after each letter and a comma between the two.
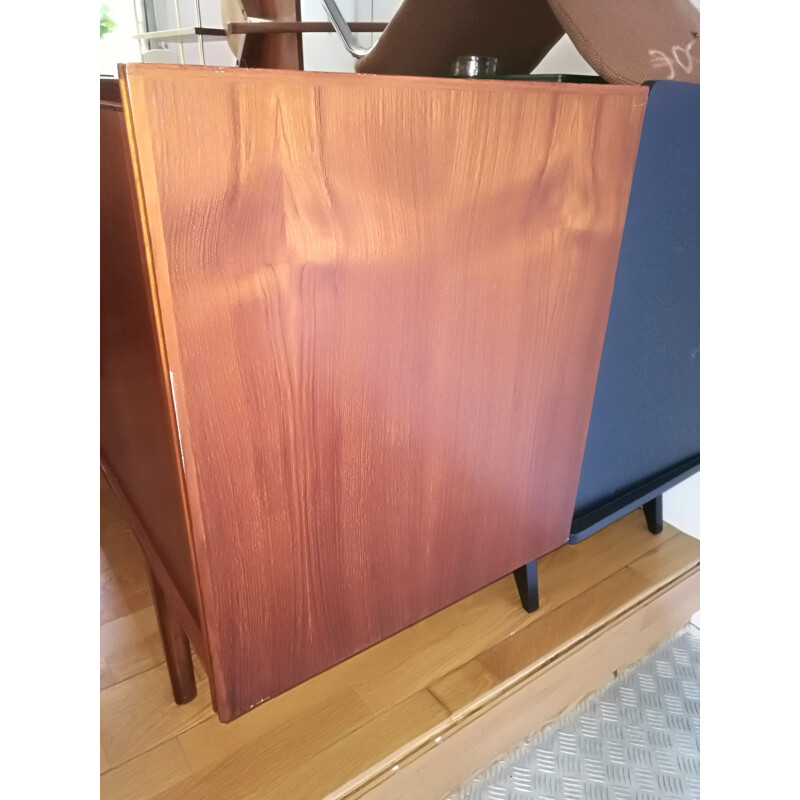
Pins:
x: 527, y: 579
x: 176, y: 647
x: 654, y: 514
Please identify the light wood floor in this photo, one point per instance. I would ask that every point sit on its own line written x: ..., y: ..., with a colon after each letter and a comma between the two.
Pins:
x: 405, y: 718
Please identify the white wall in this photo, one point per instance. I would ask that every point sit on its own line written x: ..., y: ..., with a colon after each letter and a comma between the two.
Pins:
x: 215, y: 50
x: 119, y: 47
x: 565, y: 59
x: 682, y: 506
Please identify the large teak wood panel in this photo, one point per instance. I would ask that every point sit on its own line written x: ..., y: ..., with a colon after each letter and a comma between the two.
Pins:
x: 383, y: 304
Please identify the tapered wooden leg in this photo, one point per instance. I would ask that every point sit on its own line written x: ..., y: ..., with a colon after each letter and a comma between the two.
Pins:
x: 527, y: 579
x: 654, y: 514
x: 176, y: 647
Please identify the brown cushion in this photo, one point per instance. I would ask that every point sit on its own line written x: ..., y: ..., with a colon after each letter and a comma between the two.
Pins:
x: 633, y: 41
x: 625, y: 41
x: 425, y: 36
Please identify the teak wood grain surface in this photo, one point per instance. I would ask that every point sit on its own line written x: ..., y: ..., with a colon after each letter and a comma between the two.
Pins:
x: 383, y: 304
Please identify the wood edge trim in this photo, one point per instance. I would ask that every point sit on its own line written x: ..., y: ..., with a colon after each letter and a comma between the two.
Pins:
x: 201, y: 577
x: 369, y: 779
x: 669, y: 533
x: 160, y: 570
x: 525, y: 676
x: 637, y: 118
x: 283, y: 77
x: 669, y: 625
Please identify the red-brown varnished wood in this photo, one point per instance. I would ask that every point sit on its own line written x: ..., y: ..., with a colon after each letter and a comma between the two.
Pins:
x: 176, y: 646
x: 274, y: 50
x: 192, y: 626
x: 137, y: 434
x: 384, y: 302
x: 109, y: 92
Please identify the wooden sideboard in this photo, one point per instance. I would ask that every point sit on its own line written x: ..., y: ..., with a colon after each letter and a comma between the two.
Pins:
x: 350, y: 333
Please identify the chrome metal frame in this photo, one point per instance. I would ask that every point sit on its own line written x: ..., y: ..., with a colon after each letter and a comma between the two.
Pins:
x: 343, y: 29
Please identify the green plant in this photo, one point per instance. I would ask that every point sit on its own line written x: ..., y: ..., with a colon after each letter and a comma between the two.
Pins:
x: 106, y: 23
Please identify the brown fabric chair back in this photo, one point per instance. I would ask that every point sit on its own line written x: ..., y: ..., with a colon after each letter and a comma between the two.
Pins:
x: 625, y: 41
x: 633, y: 41
x: 425, y: 36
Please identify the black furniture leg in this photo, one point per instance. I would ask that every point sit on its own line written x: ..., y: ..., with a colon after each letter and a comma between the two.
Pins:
x: 654, y: 514
x: 527, y: 579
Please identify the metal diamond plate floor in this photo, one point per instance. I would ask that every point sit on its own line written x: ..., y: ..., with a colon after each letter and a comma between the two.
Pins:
x: 637, y: 739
